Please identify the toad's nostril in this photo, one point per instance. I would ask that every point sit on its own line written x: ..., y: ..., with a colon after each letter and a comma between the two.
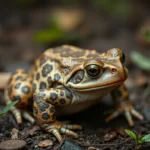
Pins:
x: 113, y: 70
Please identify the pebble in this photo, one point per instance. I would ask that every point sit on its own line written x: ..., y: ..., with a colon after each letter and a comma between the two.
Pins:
x: 12, y: 145
x: 92, y: 148
x: 68, y: 145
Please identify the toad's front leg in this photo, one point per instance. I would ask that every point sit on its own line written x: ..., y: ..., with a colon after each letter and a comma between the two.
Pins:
x: 123, y: 105
x: 44, y: 111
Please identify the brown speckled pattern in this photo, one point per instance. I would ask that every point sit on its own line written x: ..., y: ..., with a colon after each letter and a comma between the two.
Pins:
x: 20, y: 88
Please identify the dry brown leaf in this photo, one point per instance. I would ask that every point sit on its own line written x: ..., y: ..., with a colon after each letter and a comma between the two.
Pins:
x: 14, y: 133
x: 33, y: 130
x: 110, y: 136
x: 45, y: 143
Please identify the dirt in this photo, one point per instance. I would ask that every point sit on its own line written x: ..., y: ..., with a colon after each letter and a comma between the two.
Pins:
x: 18, y: 49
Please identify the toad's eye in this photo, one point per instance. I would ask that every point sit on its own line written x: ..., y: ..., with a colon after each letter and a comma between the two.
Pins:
x: 123, y: 58
x: 93, y: 71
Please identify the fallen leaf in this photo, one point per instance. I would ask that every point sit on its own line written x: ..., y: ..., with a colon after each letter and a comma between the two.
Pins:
x: 45, y: 143
x: 14, y: 133
x: 110, y: 136
x: 33, y: 130
x: 121, y: 131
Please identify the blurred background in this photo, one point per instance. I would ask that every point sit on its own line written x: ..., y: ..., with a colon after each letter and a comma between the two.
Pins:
x: 28, y: 27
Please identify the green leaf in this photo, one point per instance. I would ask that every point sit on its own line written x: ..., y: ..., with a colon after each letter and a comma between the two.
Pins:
x: 48, y: 35
x: 147, y: 35
x: 131, y: 134
x: 140, y: 60
x: 146, y: 138
x: 139, y: 139
x: 7, y: 107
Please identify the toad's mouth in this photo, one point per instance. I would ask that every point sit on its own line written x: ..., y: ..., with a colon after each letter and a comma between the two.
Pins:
x: 98, y: 87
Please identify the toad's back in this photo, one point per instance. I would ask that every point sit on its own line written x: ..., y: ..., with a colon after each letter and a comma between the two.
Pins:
x: 65, y: 52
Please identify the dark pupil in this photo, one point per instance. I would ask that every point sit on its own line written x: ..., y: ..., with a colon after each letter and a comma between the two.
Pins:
x: 93, y: 70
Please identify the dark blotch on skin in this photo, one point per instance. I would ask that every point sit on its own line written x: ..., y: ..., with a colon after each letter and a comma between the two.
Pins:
x: 23, y: 79
x: 37, y: 99
x: 53, y: 96
x: 37, y: 76
x: 42, y: 109
x: 49, y: 80
x: 56, y: 77
x: 62, y: 101
x: 41, y: 94
x: 17, y: 97
x: 25, y: 89
x: 52, y: 109
x: 45, y: 116
x: 18, y: 78
x: 42, y: 105
x: 68, y: 94
x: 42, y: 85
x: 46, y: 70
x: 17, y: 86
x: 78, y: 77
x: 45, y: 105
x: 61, y: 93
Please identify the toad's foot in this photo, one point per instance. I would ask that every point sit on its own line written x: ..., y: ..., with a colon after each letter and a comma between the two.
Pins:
x: 128, y: 111
x: 57, y: 128
x: 19, y: 114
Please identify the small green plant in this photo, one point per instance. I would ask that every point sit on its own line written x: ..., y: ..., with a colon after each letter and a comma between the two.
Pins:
x: 7, y: 108
x: 140, y: 60
x: 139, y: 139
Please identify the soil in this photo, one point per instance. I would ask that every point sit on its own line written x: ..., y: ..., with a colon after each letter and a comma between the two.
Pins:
x: 99, y: 30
